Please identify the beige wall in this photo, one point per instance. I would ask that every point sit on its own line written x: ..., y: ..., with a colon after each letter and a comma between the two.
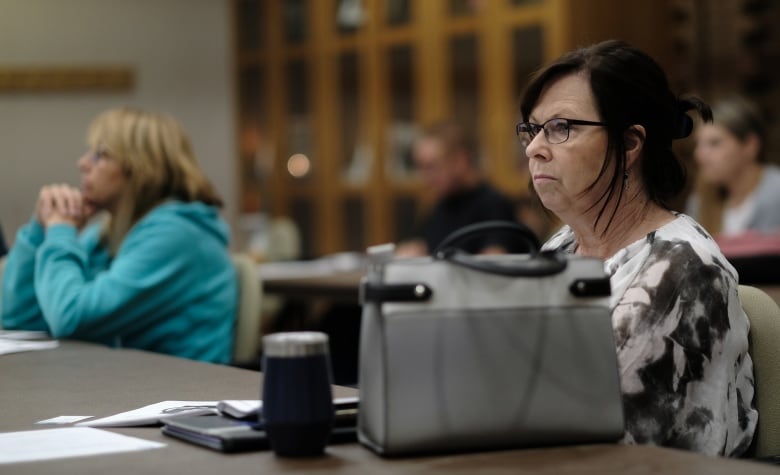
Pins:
x: 181, y: 53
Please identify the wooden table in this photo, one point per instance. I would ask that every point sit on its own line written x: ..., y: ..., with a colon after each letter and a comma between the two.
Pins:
x: 91, y: 380
x: 335, y: 277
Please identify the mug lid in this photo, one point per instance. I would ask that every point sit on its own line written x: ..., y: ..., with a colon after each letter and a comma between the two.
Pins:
x: 295, y: 344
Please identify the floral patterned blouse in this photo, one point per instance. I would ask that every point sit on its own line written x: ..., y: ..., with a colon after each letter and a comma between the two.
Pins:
x: 682, y: 340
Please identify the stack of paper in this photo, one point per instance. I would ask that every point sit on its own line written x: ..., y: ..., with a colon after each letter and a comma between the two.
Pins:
x: 151, y: 414
x: 154, y: 413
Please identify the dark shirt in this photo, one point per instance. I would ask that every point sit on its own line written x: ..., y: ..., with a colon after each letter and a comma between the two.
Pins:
x: 481, y: 203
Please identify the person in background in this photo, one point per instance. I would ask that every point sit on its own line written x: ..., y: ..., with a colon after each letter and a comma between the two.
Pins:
x: 447, y: 162
x: 156, y: 275
x: 598, y: 125
x: 743, y: 208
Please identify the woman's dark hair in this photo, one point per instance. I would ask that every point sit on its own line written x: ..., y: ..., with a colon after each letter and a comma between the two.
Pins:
x: 629, y: 88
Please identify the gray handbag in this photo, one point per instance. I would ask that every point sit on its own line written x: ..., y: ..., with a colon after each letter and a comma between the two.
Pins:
x: 463, y: 353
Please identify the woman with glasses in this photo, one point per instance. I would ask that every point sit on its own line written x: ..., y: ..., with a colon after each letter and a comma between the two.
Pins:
x: 155, y: 274
x: 598, y: 125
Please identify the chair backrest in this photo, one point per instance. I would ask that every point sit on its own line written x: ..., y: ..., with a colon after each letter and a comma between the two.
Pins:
x: 764, y: 315
x: 284, y: 240
x: 246, y: 336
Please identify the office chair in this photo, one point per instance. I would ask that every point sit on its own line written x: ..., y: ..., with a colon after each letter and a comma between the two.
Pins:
x: 764, y: 316
x: 246, y: 336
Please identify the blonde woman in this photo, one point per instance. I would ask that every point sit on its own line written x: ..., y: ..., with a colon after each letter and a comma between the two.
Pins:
x: 739, y: 194
x: 156, y: 275
x: 732, y: 158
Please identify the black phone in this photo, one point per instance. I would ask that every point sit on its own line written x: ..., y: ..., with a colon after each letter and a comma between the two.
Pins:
x: 231, y: 435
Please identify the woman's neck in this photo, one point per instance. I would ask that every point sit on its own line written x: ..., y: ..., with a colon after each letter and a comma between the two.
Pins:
x: 742, y: 185
x: 635, y: 218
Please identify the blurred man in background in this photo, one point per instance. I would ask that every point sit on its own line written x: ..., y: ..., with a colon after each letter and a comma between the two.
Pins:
x: 445, y: 157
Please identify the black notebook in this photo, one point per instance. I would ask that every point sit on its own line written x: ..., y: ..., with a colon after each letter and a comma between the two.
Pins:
x: 231, y: 435
x: 217, y: 432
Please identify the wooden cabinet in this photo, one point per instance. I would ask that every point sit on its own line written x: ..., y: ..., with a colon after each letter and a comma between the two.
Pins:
x: 729, y: 47
x: 332, y: 92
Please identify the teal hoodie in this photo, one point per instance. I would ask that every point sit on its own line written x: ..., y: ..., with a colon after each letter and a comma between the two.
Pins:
x: 171, y: 288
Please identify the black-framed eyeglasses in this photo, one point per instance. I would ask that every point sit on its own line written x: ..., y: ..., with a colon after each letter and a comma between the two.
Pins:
x: 556, y: 130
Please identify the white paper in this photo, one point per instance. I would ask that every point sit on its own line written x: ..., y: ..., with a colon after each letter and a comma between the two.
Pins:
x: 240, y: 408
x: 8, y: 346
x: 63, y: 420
x: 151, y: 414
x: 47, y: 444
x: 24, y: 335
x: 243, y: 408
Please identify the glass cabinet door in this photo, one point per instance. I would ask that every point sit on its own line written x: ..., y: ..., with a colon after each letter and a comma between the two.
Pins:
x: 398, y: 12
x: 523, y: 3
x: 255, y: 147
x: 302, y: 212
x: 295, y: 21
x: 354, y: 212
x: 332, y: 95
x: 527, y: 56
x: 406, y: 215
x: 401, y: 128
x: 464, y: 80
x: 349, y: 16
x: 466, y: 7
x: 250, y: 15
x: 298, y: 156
x: 356, y: 157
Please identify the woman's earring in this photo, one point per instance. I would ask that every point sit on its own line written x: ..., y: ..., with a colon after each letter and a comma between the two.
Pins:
x: 625, y: 180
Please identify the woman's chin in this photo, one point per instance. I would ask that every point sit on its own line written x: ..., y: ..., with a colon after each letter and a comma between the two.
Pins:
x: 551, y: 204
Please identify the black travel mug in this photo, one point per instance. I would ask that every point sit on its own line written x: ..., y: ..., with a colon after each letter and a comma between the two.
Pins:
x: 297, y: 396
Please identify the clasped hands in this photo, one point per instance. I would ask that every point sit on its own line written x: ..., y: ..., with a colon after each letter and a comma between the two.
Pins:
x: 62, y: 204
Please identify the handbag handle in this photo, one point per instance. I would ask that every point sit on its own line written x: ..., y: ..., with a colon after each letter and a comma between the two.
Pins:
x: 540, y: 264
x: 477, y: 229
